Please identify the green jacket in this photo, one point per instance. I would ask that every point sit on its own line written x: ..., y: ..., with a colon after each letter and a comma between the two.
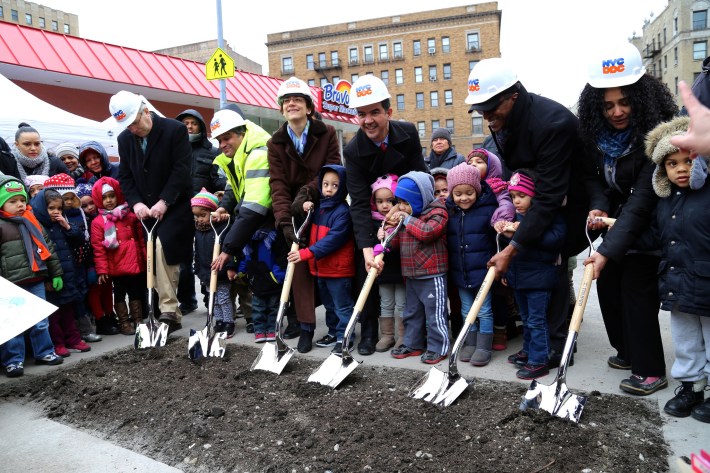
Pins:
x: 13, y: 256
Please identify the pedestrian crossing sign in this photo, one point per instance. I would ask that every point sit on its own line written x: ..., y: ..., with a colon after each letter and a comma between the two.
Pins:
x: 219, y: 66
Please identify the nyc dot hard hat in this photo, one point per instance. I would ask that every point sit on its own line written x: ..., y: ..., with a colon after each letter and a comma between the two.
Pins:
x: 487, y: 79
x: 124, y: 107
x: 224, y: 121
x: 615, y: 66
x: 367, y: 90
x: 293, y: 86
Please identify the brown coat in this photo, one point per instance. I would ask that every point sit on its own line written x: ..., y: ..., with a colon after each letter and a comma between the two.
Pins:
x: 288, y: 173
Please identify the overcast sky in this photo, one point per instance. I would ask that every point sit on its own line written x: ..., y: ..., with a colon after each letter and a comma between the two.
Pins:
x: 546, y: 40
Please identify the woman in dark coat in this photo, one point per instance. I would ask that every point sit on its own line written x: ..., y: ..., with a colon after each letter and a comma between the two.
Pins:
x: 615, y: 113
x: 292, y: 166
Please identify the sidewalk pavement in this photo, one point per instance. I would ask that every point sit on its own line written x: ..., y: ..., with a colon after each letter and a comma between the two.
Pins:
x: 590, y: 372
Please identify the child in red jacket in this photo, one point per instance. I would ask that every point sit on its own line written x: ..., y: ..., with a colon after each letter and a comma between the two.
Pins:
x: 119, y: 251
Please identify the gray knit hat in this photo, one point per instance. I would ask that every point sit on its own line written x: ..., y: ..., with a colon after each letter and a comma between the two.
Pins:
x: 441, y: 133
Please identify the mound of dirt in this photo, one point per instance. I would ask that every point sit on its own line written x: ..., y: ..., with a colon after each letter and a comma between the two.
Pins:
x: 216, y: 415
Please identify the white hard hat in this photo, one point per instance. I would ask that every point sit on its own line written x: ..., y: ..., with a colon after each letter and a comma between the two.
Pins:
x: 293, y: 86
x: 125, y: 106
x: 616, y: 66
x: 487, y: 79
x: 367, y: 90
x: 224, y: 121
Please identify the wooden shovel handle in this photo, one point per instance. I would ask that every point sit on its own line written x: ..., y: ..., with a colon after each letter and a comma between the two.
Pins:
x: 371, y: 276
x: 609, y: 222
x: 289, y: 277
x: 481, y: 295
x: 150, y: 253
x: 582, y: 296
x: 213, y: 274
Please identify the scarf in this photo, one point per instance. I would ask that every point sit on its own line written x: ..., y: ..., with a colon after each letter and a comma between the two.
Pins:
x: 39, y: 165
x: 613, y: 144
x: 110, y: 217
x: 32, y: 237
x: 202, y: 227
x: 299, y: 143
x: 76, y: 173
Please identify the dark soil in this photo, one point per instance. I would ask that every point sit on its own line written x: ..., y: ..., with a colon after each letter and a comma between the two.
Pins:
x: 218, y: 416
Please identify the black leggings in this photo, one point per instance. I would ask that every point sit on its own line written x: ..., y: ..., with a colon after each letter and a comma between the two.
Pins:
x: 134, y: 286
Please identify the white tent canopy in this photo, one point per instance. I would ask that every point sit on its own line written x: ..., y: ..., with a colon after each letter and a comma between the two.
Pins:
x: 54, y: 125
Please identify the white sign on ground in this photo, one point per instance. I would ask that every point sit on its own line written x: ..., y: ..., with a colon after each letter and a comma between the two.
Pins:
x: 19, y: 310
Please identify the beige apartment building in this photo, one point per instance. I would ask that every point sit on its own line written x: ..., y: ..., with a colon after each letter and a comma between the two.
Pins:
x: 39, y: 16
x: 675, y: 43
x: 424, y: 58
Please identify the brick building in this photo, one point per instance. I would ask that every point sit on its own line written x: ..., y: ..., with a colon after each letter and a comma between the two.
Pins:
x: 424, y: 58
x: 39, y: 16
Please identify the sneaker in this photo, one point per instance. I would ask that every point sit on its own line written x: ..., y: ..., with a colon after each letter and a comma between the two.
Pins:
x: 404, y: 351
x: 532, y: 371
x: 686, y: 398
x: 62, y: 351
x: 305, y: 342
x: 80, y: 347
x: 14, y: 370
x: 432, y: 358
x: 259, y: 337
x: 270, y: 336
x: 92, y: 337
x: 229, y: 328
x: 52, y: 359
x: 701, y: 412
x: 219, y: 326
x: 643, y: 386
x: 618, y: 363
x: 250, y: 327
x: 518, y: 359
x: 337, y: 348
x: 327, y: 341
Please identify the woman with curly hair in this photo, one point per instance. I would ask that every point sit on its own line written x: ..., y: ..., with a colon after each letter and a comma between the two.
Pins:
x: 619, y: 105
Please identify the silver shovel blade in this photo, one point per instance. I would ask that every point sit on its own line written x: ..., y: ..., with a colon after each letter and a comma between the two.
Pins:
x: 455, y: 387
x: 197, y: 344
x: 430, y: 386
x: 151, y: 335
x: 555, y: 399
x: 218, y: 345
x: 334, y: 370
x: 271, y: 359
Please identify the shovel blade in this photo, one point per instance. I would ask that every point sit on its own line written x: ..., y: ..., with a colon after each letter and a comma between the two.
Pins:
x: 271, y: 359
x: 218, y: 345
x: 430, y: 386
x: 333, y: 370
x: 452, y: 392
x: 197, y: 344
x: 555, y: 399
x: 151, y: 335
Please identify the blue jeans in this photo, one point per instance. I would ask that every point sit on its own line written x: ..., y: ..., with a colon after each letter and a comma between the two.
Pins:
x: 484, y: 322
x: 532, y: 306
x: 336, y: 296
x: 263, y: 312
x: 13, y: 351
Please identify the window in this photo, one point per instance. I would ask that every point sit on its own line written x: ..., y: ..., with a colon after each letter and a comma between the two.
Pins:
x: 398, y: 76
x: 323, y: 82
x: 675, y: 56
x: 421, y: 126
x: 309, y: 62
x: 334, y: 60
x: 287, y: 65
x: 66, y: 28
x: 384, y: 53
x: 354, y: 77
x: 448, y: 97
x: 417, y: 47
x: 477, y: 125
x: 400, y: 102
x: 42, y: 24
x: 397, y: 50
x: 432, y: 73
x: 700, y: 19
x: 700, y: 49
x: 450, y: 125
x: 418, y: 74
x: 445, y: 44
x: 354, y: 56
x: 28, y: 18
x: 471, y: 65
x: 2, y: 13
x: 385, y: 76
x: 369, y: 57
x: 55, y: 25
x: 312, y: 82
x: 675, y: 25
x: 435, y: 124
x: 665, y: 61
x: 472, y: 42
x: 447, y: 71
x: 13, y: 14
x: 664, y: 36
x: 431, y: 45
x: 335, y: 79
x: 420, y: 100
x: 321, y: 60
x: 676, y: 86
x: 434, y: 98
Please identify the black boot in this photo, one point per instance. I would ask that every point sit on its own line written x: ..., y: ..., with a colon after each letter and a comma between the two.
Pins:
x: 701, y: 412
x: 106, y: 325
x: 305, y: 342
x: 685, y: 399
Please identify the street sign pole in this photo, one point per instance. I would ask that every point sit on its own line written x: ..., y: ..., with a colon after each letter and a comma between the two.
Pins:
x: 220, y: 44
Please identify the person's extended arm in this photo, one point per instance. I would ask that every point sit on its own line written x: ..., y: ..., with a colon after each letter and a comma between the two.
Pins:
x: 697, y: 139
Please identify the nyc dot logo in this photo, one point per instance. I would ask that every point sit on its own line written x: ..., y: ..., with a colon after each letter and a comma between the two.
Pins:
x: 612, y: 66
x: 473, y: 85
x: 362, y: 91
x: 119, y: 115
x: 214, y: 125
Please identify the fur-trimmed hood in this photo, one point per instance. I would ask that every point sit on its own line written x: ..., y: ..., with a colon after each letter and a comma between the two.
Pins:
x: 658, y: 146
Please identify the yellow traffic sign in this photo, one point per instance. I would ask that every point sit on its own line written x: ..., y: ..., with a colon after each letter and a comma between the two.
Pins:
x: 219, y: 66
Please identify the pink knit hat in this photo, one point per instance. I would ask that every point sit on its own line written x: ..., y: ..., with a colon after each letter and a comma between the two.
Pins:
x: 205, y: 199
x: 464, y: 174
x: 388, y: 181
x: 522, y: 183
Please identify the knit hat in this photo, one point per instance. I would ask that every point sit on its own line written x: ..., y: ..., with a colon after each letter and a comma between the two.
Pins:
x: 34, y: 179
x: 83, y: 189
x: 408, y: 191
x: 441, y: 133
x: 658, y: 146
x: 10, y: 189
x: 464, y: 174
x: 388, y: 181
x: 205, y: 199
x: 482, y: 152
x: 62, y: 183
x: 106, y: 188
x: 66, y: 148
x: 522, y: 183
